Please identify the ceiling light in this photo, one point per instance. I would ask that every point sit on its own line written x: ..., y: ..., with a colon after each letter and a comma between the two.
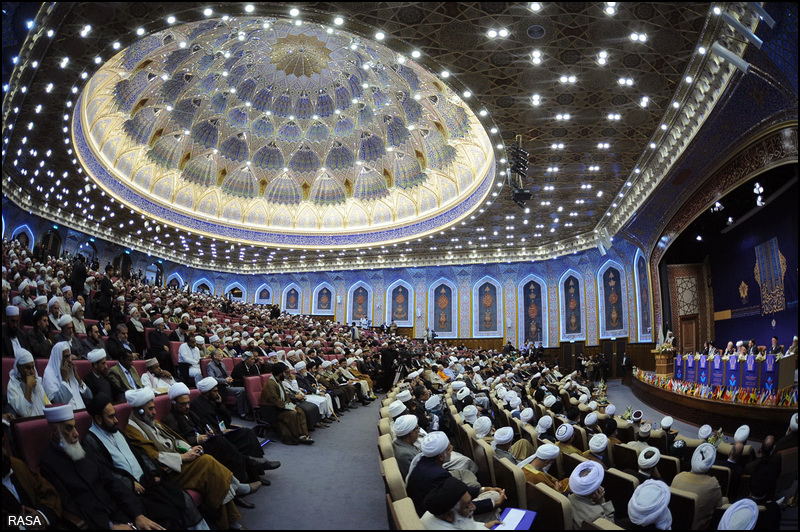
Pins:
x: 758, y: 189
x: 140, y: 31
x: 536, y: 100
x: 208, y: 11
x: 599, y: 193
x: 466, y: 94
x: 614, y: 116
x: 567, y: 79
x: 717, y: 10
x: 445, y: 74
x: 491, y: 34
x: 170, y: 19
x: 663, y: 127
x: 603, y: 145
x: 249, y: 8
x: 730, y: 220
x: 380, y: 36
x: 415, y: 54
x: 503, y: 33
x: 702, y: 50
x: 535, y: 6
x: 611, y: 8
x: 688, y: 79
x: 699, y: 238
x: 602, y: 57
x: 338, y: 21
x: 557, y: 146
x: 294, y: 12
x: 483, y: 112
x: 640, y: 37
x: 625, y: 82
x: 653, y: 145
x: 645, y: 100
x: 564, y: 116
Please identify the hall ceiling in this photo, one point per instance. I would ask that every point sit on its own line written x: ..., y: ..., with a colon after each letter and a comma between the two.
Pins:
x: 627, y: 100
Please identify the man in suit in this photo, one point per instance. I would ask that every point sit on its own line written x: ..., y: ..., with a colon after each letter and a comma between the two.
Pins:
x: 97, y: 380
x: 92, y: 340
x: 159, y: 345
x: 78, y: 279
x: 39, y: 338
x: 752, y: 348
x: 249, y: 367
x: 13, y: 337
x: 775, y: 348
x: 733, y: 464
x: 26, y: 493
x: 118, y: 344
x: 124, y: 376
x: 216, y: 369
x: 86, y: 488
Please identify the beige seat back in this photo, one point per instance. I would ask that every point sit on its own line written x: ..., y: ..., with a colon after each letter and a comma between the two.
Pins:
x: 580, y: 440
x: 668, y: 467
x: 385, y: 446
x: 405, y: 515
x: 601, y: 524
x: 554, y: 511
x: 625, y: 457
x: 723, y: 476
x: 384, y: 412
x: 570, y: 462
x: 484, y: 458
x: 788, y: 469
x: 512, y: 479
x: 619, y: 488
x: 529, y: 433
x: 384, y: 427
x: 394, y: 480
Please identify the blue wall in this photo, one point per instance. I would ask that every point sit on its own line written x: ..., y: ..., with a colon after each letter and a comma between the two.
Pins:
x: 733, y: 260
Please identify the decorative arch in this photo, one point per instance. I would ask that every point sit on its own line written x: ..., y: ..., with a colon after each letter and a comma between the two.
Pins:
x: 443, y: 308
x: 400, y: 304
x: 323, y: 300
x: 238, y: 285
x: 175, y: 276
x: 612, y: 295
x: 205, y: 281
x: 643, y: 297
x: 488, y: 320
x: 27, y: 230
x: 292, y: 299
x: 259, y: 292
x: 571, y: 292
x: 359, y: 302
x: 532, y: 308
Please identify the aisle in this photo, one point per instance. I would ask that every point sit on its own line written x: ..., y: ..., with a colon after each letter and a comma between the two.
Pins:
x: 334, y: 484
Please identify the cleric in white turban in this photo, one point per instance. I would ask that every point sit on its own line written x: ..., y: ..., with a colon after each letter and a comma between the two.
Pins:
x: 178, y: 389
x: 404, y: 396
x: 404, y: 442
x: 483, y: 427
x: 470, y: 413
x: 598, y: 446
x: 741, y: 515
x: 549, y: 401
x: 649, y: 506
x: 588, y: 496
x: 543, y: 428
x: 707, y: 488
x: 526, y: 415
x: 207, y: 384
x: 704, y: 432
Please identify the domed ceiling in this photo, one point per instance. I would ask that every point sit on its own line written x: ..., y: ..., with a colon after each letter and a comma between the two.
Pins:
x: 266, y: 131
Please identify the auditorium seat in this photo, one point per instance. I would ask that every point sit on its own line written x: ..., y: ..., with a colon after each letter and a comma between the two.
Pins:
x: 512, y: 479
x: 570, y: 462
x: 580, y: 440
x: 405, y: 515
x: 668, y: 467
x: 88, y: 323
x: 553, y: 509
x: 385, y: 446
x: 682, y: 506
x: 203, y: 364
x: 252, y: 389
x: 383, y: 426
x: 41, y: 364
x: 619, y: 489
x: 625, y: 457
x: 8, y: 365
x: 723, y: 476
x: 788, y: 474
x: 483, y: 456
x: 529, y: 433
x: 141, y: 366
x: 600, y: 524
x: 384, y: 412
x: 147, y: 335
x: 395, y: 484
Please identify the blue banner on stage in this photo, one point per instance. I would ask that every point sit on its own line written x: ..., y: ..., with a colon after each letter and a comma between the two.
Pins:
x: 679, y: 368
x: 769, y: 374
x: 732, y: 378
x: 717, y: 371
x: 690, y: 369
x: 750, y: 372
x: 702, y: 371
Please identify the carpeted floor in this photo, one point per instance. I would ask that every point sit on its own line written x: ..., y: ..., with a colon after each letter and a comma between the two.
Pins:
x: 334, y: 484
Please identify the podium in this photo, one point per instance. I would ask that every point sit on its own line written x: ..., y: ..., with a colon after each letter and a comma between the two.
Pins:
x: 663, y: 363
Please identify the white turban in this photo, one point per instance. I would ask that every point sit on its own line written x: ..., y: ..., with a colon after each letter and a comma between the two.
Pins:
x: 58, y: 414
x: 549, y: 401
x: 667, y: 422
x: 501, y: 393
x: 503, y: 436
x: 548, y: 451
x: 611, y: 410
x: 741, y: 515
x: 300, y: 365
x: 564, y: 432
x: 396, y: 408
x: 433, y: 402
x: 482, y: 426
x: 470, y: 414
x: 545, y: 422
x: 458, y: 385
x: 583, y: 399
x: 326, y: 364
x: 64, y: 320
x: 515, y: 402
x: 637, y: 416
x: 41, y: 300
x: 703, y: 458
x: 140, y: 397
x: 598, y: 443
x: 462, y: 394
x: 588, y: 484
x: 177, y: 389
x: 96, y: 355
x: 644, y: 430
x: 649, y: 458
x: 739, y: 343
x: 404, y: 396
x: 650, y: 505
x: 705, y: 432
x: 214, y: 338
x: 526, y: 415
x: 742, y: 433
x: 159, y: 321
x: 793, y: 423
x: 11, y: 310
x: 434, y: 444
x: 200, y: 340
x: 207, y: 384
x: 405, y: 424
x: 592, y: 405
x: 590, y: 420
x: 77, y: 307
x: 414, y: 374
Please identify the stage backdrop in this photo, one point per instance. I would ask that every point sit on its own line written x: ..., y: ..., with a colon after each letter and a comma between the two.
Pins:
x: 754, y: 275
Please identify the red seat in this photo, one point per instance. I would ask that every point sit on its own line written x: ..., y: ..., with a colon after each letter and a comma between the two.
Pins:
x: 82, y: 368
x: 203, y: 365
x: 8, y: 365
x: 41, y: 364
x: 252, y: 389
x: 229, y: 364
x: 173, y: 351
x: 141, y: 366
x: 104, y: 339
x: 81, y: 336
x: 88, y: 323
x: 172, y: 326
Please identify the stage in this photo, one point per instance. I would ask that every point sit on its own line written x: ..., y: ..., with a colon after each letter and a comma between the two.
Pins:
x: 763, y: 420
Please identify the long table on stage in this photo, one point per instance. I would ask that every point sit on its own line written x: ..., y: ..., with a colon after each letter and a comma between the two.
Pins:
x: 763, y: 420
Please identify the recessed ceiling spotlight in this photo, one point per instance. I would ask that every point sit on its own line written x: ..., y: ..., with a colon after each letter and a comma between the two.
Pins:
x: 625, y: 82
x: 294, y: 12
x: 699, y: 238
x: 653, y: 145
x: 702, y: 50
x: 415, y: 54
x: 564, y: 116
x: 140, y: 31
x: 249, y: 8
x: 611, y: 8
x: 688, y: 79
x: 603, y: 145
x: 644, y: 101
x: 639, y: 37
x: 535, y: 6
x: 338, y: 21
x: 380, y: 36
x: 491, y: 34
x: 602, y: 57
x: 170, y: 19
x: 568, y: 79
x: 445, y: 74
x: 536, y: 100
x: 503, y: 33
x: 614, y: 116
x: 466, y: 94
x: 208, y: 11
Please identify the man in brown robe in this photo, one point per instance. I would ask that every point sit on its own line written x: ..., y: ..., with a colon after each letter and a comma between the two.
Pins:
x: 291, y: 420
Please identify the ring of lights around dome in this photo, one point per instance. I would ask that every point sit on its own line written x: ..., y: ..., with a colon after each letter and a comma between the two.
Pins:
x: 265, y: 132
